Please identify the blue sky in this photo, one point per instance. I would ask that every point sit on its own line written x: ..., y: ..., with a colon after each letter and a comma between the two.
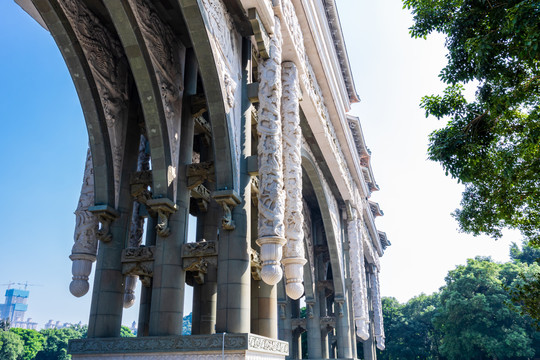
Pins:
x: 45, y: 141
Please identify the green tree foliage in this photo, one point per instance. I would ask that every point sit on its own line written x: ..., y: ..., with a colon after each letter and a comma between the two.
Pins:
x: 409, y: 328
x: 526, y: 254
x: 471, y: 317
x: 126, y: 332
x: 11, y: 345
x: 475, y: 317
x: 33, y: 342
x: 56, y: 343
x: 491, y: 144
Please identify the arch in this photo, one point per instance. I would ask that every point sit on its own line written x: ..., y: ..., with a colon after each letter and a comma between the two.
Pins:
x: 308, y: 164
x: 150, y: 96
x: 84, y: 82
x: 223, y: 142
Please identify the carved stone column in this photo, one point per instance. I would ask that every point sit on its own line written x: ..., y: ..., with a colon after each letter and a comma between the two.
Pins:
x: 357, y: 275
x: 84, y: 251
x: 293, y: 251
x: 377, y: 309
x: 271, y: 195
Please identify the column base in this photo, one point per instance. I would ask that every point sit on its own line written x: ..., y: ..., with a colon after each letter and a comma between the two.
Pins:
x: 196, y: 347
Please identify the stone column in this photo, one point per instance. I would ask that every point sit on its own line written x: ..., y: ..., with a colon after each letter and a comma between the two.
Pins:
x: 84, y: 250
x: 137, y: 225
x: 271, y: 194
x: 344, y: 348
x: 285, y: 316
x: 313, y: 324
x: 377, y: 309
x: 359, y: 289
x: 146, y: 291
x: 234, y: 275
x: 107, y: 296
x: 369, y: 344
x: 348, y: 281
x: 293, y: 251
x: 167, y: 306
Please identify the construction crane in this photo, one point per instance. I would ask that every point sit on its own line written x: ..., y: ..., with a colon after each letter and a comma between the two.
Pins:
x: 26, y: 284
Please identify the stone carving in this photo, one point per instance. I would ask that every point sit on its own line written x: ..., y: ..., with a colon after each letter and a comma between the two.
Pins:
x: 140, y: 182
x: 184, y: 344
x: 199, y: 268
x: 377, y: 309
x: 255, y: 264
x: 271, y: 195
x: 293, y: 251
x: 359, y: 289
x: 139, y: 262
x: 289, y: 18
x: 200, y: 248
x: 166, y: 55
x: 199, y: 173
x: 106, y: 215
x: 164, y: 208
x: 220, y: 27
x: 84, y: 250
x: 108, y: 64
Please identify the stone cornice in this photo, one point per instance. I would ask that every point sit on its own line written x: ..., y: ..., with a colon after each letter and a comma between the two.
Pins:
x: 341, y: 49
x: 184, y: 344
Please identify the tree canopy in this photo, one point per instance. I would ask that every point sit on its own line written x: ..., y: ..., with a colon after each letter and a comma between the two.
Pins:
x: 491, y: 144
x: 471, y: 317
x: 11, y: 345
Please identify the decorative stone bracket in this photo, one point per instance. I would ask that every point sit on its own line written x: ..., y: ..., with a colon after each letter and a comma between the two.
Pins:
x: 228, y: 199
x: 106, y: 215
x: 140, y: 182
x: 164, y: 208
x: 198, y: 256
x: 256, y: 264
x: 139, y: 261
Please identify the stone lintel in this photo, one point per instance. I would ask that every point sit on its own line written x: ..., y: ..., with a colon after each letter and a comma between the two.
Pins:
x: 235, y: 346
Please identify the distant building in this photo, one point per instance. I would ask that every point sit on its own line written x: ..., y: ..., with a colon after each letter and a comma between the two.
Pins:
x: 51, y: 324
x: 15, y: 307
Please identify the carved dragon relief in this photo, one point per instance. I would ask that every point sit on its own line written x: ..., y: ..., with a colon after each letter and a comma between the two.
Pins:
x: 106, y: 59
x: 166, y: 55
x: 271, y: 202
x: 293, y: 250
